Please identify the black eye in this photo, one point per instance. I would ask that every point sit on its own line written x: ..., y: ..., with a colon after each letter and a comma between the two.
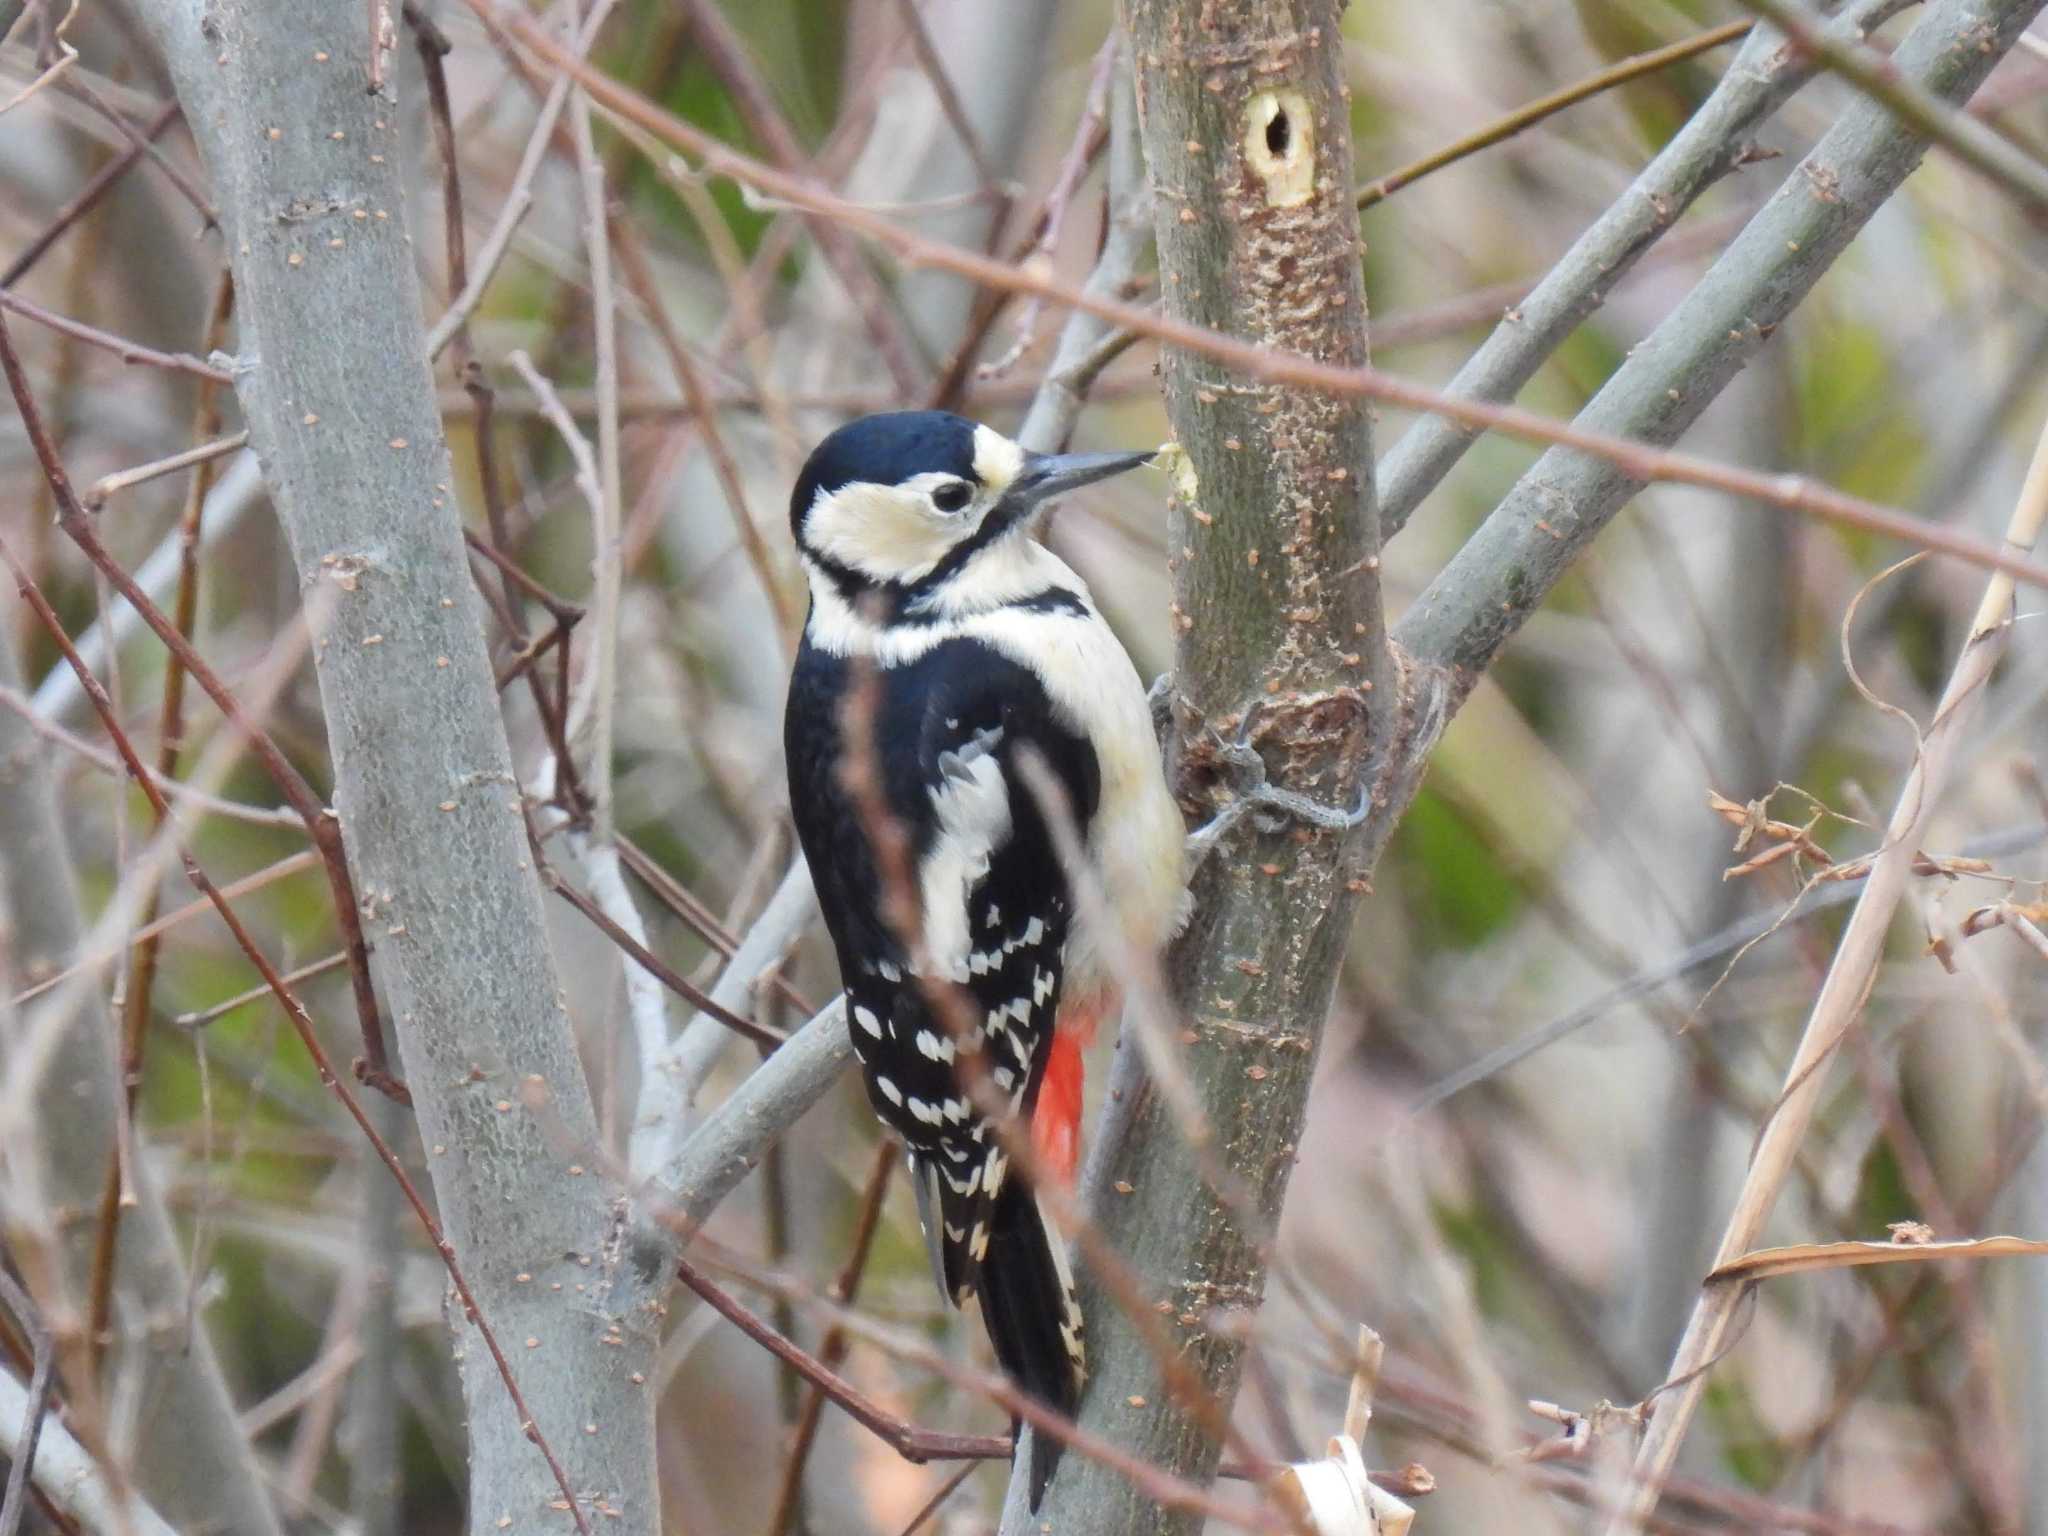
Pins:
x: 952, y: 496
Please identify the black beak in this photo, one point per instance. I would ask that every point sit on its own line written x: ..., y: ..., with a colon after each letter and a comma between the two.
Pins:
x: 1046, y: 475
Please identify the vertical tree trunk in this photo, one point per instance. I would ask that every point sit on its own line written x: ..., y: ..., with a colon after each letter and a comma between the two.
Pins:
x: 1273, y: 538
x: 335, y: 385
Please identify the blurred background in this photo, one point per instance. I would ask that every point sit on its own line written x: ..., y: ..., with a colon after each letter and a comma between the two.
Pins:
x: 1534, y: 1230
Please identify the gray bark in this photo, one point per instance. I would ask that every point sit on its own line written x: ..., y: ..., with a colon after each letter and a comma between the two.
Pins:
x: 190, y: 1455
x: 1252, y: 976
x: 1279, y: 638
x: 1555, y: 510
x: 336, y: 387
x: 1764, y: 75
x: 67, y: 1472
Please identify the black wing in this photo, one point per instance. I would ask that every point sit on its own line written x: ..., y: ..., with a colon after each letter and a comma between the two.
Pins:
x: 950, y: 731
x: 944, y: 722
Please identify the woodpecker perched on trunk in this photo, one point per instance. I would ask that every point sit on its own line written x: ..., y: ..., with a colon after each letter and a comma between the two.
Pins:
x: 983, y: 647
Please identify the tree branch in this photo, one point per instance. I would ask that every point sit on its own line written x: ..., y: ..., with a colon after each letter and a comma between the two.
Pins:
x: 726, y: 1146
x: 1279, y: 642
x: 1839, y: 1003
x: 1509, y: 565
x: 66, y: 1472
x: 337, y: 391
x: 1764, y: 75
x: 193, y: 1459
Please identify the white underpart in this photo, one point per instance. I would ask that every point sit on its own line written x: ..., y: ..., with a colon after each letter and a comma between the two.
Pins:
x: 1135, y: 840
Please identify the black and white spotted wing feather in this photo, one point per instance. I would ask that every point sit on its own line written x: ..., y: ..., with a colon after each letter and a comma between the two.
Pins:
x: 995, y: 912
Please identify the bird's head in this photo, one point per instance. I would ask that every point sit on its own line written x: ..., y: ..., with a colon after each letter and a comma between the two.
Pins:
x: 901, y: 503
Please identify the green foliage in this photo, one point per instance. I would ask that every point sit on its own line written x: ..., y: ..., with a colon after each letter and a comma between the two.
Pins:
x: 1454, y: 881
x: 1489, y: 1260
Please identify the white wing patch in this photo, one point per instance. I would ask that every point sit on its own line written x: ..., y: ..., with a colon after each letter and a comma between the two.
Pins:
x: 971, y: 803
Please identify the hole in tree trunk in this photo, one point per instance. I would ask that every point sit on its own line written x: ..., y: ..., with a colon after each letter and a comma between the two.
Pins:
x: 1278, y: 134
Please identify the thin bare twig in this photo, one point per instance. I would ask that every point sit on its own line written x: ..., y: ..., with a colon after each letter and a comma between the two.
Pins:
x: 1839, y: 1004
x: 85, y: 199
x: 325, y: 832
x: 105, y: 762
x: 130, y: 352
x: 295, y: 1010
x: 1528, y: 116
x: 1640, y: 461
x: 100, y: 490
x: 141, y: 982
x: 645, y: 958
x: 23, y: 1458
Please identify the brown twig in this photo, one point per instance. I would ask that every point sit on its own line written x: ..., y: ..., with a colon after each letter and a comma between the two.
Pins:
x: 672, y: 894
x: 323, y: 828
x: 86, y: 199
x: 560, y: 609
x: 906, y: 1439
x: 645, y: 958
x: 832, y: 1352
x: 131, y: 352
x: 1528, y: 116
x: 726, y: 56
x: 141, y: 982
x: 1638, y: 460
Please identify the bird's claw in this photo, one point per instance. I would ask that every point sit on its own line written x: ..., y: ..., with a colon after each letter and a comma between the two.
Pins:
x: 1245, y: 776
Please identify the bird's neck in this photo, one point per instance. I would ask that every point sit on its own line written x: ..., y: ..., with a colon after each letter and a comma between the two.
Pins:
x: 877, y: 620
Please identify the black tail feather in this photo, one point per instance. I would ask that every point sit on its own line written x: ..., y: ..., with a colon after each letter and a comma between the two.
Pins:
x: 1028, y: 1308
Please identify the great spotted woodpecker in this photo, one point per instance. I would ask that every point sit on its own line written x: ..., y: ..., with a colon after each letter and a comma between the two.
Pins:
x: 914, y: 530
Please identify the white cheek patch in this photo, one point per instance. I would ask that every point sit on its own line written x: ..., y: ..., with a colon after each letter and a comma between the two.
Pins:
x: 886, y: 532
x: 996, y: 459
